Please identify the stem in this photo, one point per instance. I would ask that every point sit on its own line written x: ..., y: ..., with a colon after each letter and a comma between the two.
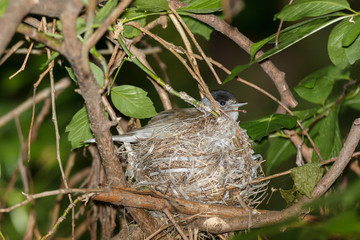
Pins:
x: 162, y: 83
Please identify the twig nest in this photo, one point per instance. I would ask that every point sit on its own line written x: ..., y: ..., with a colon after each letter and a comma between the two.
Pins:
x: 203, y: 159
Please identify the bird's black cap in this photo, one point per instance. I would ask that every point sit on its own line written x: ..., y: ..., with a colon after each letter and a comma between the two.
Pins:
x: 222, y: 96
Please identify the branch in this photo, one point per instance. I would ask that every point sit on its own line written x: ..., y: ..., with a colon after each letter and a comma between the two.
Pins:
x: 31, y: 197
x: 95, y: 37
x: 59, y: 87
x: 344, y: 157
x: 14, y: 13
x: 233, y: 33
x: 157, y: 202
x: 50, y: 8
x: 40, y: 37
x: 99, y: 123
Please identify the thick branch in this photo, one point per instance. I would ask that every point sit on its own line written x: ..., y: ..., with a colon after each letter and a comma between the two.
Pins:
x: 99, y: 123
x: 40, y: 37
x: 157, y: 202
x: 14, y: 13
x: 50, y: 8
x: 344, y: 157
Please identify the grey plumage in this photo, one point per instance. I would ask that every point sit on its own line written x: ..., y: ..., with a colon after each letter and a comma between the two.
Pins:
x: 165, y: 119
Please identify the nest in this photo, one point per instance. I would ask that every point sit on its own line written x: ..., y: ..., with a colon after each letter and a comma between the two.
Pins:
x: 203, y: 159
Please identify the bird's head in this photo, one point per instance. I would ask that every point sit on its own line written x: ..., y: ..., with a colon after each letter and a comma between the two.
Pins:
x: 226, y: 101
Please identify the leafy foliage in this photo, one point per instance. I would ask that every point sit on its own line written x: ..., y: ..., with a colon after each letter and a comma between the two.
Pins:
x: 280, y: 150
x: 264, y: 126
x: 79, y: 128
x: 152, y: 6
x: 311, y: 8
x: 317, y: 86
x: 203, y: 6
x: 306, y: 177
x: 132, y: 101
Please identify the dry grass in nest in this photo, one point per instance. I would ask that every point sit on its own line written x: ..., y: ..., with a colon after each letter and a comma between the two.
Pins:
x: 203, y: 159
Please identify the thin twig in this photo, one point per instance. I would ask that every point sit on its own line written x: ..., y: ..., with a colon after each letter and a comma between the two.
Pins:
x: 304, y: 131
x: 232, y: 33
x: 31, y: 197
x: 164, y: 97
x: 41, y: 77
x: 178, y: 228
x: 22, y: 68
x: 70, y: 163
x: 40, y: 118
x: 279, y: 30
x: 63, y: 216
x: 59, y: 87
x: 289, y: 171
x: 11, y: 51
x: 95, y: 37
x: 54, y: 118
x: 196, y: 44
x: 22, y: 156
x: 167, y: 45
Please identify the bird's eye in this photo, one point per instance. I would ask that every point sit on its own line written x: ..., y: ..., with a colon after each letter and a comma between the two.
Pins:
x: 222, y: 102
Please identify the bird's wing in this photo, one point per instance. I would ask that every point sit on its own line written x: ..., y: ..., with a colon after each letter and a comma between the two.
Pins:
x: 161, y: 121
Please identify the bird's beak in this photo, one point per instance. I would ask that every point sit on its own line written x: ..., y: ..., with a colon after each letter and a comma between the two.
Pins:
x: 237, y: 105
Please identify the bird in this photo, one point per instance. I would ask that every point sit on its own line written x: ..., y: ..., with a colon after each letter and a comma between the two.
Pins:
x: 170, y: 118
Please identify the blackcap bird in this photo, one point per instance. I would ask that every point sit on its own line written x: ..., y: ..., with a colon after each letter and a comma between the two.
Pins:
x: 165, y: 119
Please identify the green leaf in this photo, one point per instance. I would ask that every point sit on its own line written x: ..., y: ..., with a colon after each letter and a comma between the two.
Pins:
x: 279, y: 151
x: 354, y: 100
x: 305, y: 114
x: 264, y: 126
x: 98, y: 74
x: 306, y: 177
x: 53, y: 56
x: 317, y: 86
x: 130, y: 31
x: 151, y: 6
x: 351, y: 34
x: 294, y: 34
x: 352, y: 51
x: 79, y: 129
x: 291, y: 196
x: 132, y: 101
x: 288, y: 37
x: 236, y: 71
x: 203, y: 6
x: 3, y: 5
x: 80, y: 25
x: 326, y: 135
x: 105, y: 11
x: 311, y: 8
x: 71, y: 73
x: 198, y: 27
x: 336, y: 51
